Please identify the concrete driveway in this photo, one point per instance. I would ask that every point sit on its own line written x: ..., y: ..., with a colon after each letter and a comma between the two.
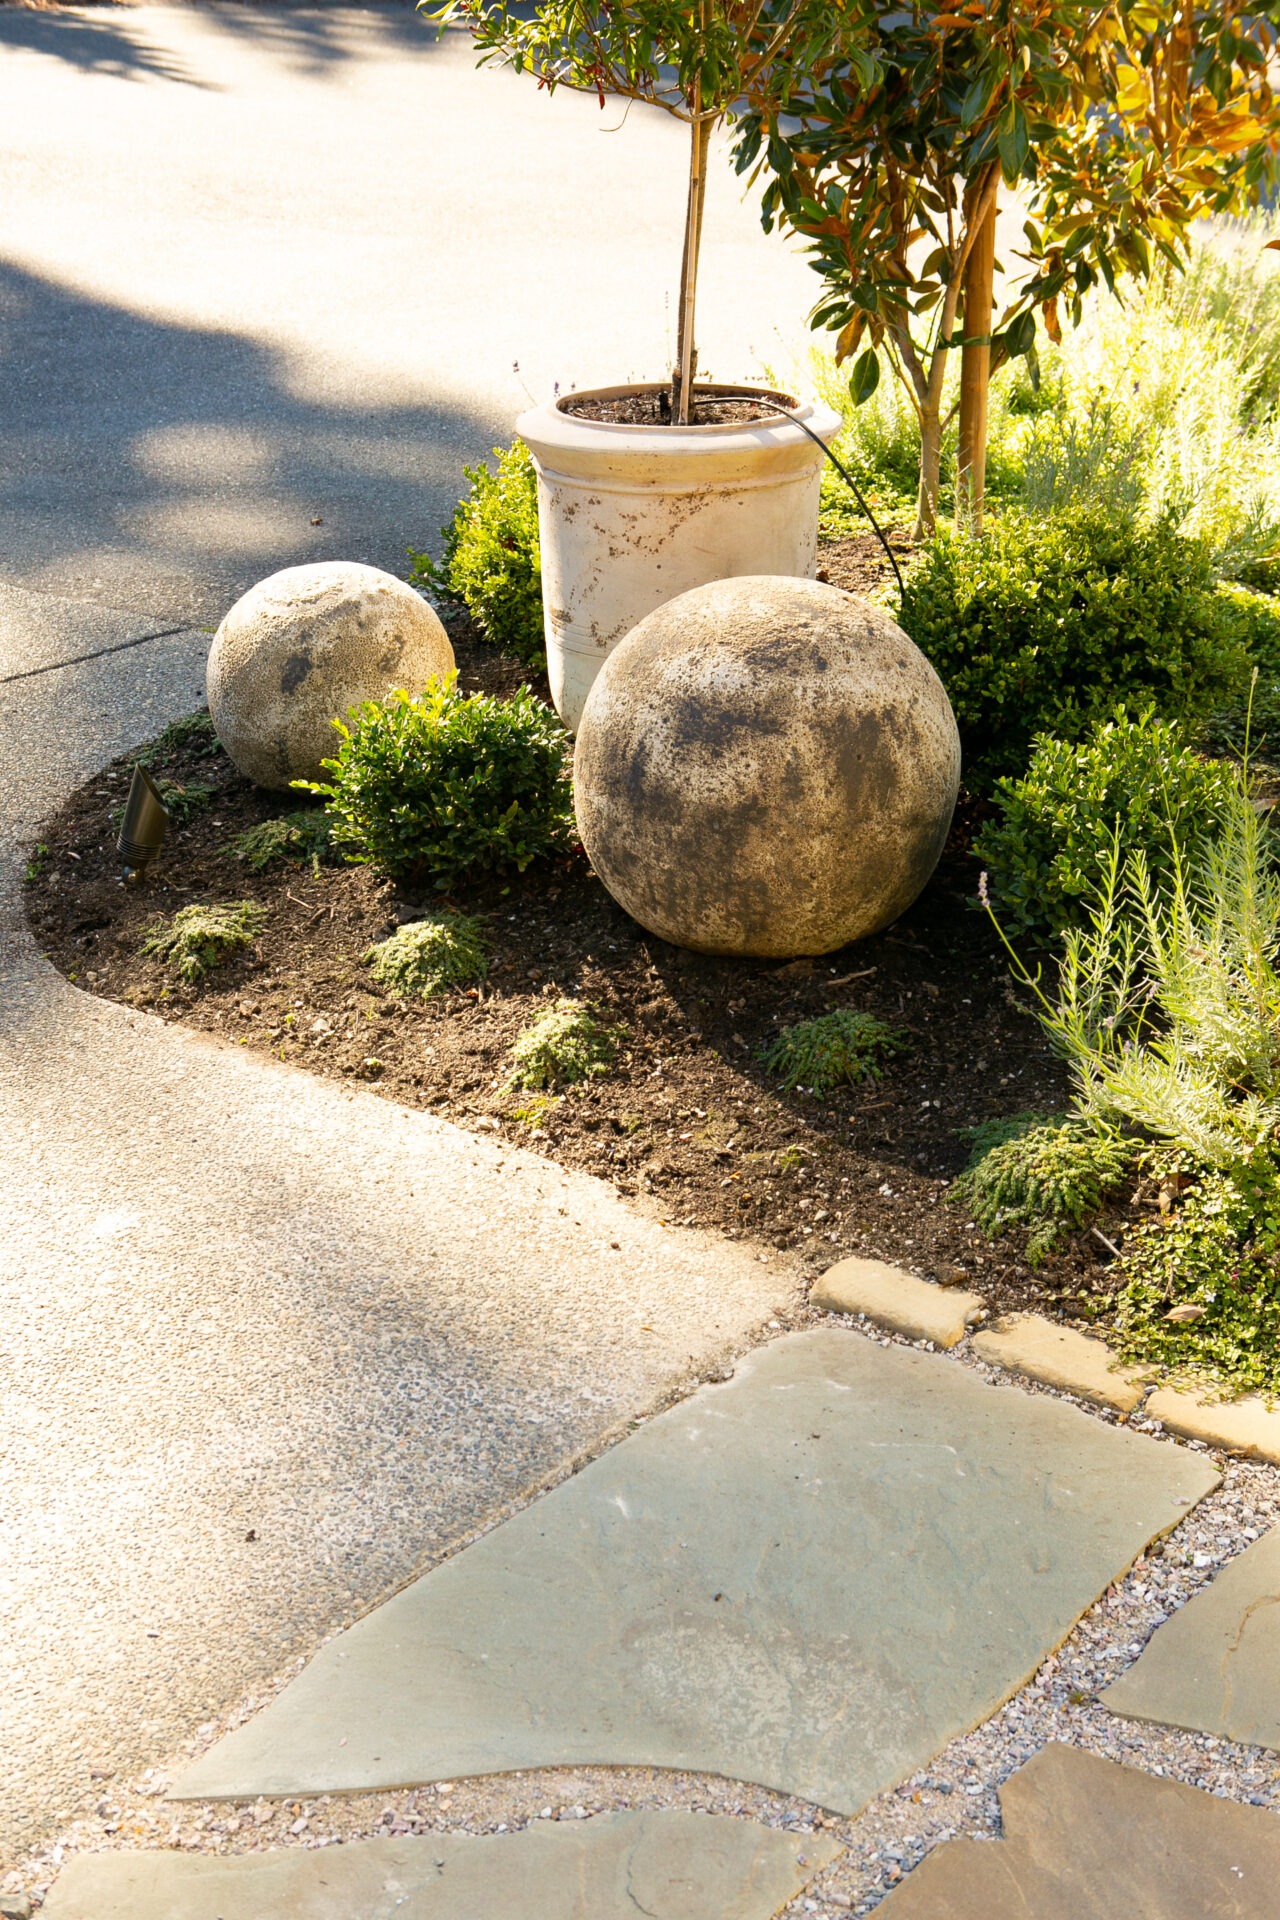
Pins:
x: 266, y: 1348
x: 261, y: 265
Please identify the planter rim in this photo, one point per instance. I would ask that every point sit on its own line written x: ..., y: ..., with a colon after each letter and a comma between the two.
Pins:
x: 549, y: 426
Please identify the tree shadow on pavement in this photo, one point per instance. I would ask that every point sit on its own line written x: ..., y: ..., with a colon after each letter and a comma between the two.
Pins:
x: 165, y: 468
x: 109, y: 40
x: 117, y: 41
x: 309, y: 38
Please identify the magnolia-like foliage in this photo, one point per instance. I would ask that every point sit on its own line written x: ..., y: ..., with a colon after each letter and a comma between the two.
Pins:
x: 692, y: 61
x: 1175, y: 115
x: 1121, y: 123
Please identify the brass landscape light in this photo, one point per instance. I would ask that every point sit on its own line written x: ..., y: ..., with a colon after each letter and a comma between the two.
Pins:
x: 145, y: 823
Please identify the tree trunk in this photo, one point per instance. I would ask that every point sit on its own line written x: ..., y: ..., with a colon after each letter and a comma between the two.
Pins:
x: 975, y: 372
x: 686, y: 348
x: 930, y: 467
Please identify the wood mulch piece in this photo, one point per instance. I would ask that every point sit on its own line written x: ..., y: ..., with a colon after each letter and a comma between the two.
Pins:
x: 688, y: 1118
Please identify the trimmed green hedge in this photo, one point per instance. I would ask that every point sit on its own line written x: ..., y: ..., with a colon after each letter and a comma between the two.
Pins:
x: 1044, y: 626
x: 492, y: 563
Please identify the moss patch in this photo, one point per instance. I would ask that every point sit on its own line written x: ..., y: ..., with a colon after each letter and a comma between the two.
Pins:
x: 429, y: 956
x: 1046, y: 1175
x: 299, y: 837
x: 835, y: 1050
x: 562, y: 1046
x: 200, y: 938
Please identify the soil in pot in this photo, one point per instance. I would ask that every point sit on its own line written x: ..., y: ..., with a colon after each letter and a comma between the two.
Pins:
x: 651, y: 407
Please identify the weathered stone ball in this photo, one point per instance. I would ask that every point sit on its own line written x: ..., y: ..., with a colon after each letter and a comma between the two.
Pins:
x: 301, y: 648
x: 766, y: 766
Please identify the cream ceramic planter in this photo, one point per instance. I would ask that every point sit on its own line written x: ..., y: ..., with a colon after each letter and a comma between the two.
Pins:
x: 630, y: 516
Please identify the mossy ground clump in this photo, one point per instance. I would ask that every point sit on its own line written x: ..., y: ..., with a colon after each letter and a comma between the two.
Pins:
x: 429, y: 956
x: 182, y: 801
x: 195, y: 734
x: 301, y: 837
x: 565, y: 1044
x: 199, y: 938
x: 1048, y: 1174
x: 836, y: 1049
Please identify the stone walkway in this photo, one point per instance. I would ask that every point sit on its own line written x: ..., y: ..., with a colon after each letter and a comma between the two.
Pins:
x: 675, y: 1866
x: 1215, y: 1666
x: 1087, y: 1840
x: 812, y: 1578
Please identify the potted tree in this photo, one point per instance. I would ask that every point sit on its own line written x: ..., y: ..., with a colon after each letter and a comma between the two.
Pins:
x: 647, y: 490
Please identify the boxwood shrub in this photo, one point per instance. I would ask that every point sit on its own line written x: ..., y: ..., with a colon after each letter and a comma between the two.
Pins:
x: 1044, y: 625
x: 491, y: 562
x: 1252, y: 717
x: 446, y: 785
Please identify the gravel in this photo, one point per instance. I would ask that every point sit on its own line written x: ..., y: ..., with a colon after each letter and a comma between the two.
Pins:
x: 954, y: 1796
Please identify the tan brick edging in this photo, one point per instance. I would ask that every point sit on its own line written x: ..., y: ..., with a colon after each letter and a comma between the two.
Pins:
x: 1061, y: 1357
x: 1042, y: 1350
x: 914, y: 1308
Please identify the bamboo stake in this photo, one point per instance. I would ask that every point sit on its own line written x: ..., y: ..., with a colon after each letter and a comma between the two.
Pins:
x: 975, y: 369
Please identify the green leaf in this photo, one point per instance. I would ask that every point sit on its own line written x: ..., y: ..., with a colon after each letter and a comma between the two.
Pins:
x: 865, y: 377
x: 975, y: 101
x: 1013, y: 142
x: 1020, y: 335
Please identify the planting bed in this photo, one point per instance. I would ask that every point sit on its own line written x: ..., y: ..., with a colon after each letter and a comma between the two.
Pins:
x: 688, y: 1116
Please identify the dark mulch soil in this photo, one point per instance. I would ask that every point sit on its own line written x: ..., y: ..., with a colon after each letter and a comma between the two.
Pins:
x: 858, y: 562
x: 689, y: 1116
x: 712, y: 407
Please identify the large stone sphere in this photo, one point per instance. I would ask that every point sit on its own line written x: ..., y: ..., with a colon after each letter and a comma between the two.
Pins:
x: 301, y: 648
x: 766, y: 766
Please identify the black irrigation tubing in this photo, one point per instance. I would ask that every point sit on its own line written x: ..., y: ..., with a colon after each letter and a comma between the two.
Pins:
x: 845, y: 475
x: 99, y: 653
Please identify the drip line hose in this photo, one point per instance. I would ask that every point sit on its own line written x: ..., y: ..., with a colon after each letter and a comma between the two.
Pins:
x: 845, y: 475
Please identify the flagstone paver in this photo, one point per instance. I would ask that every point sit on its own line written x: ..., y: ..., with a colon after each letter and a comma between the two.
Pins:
x: 1247, y: 1425
x: 897, y: 1300
x: 810, y: 1578
x: 1085, y: 1839
x: 1214, y: 1666
x: 669, y: 1866
x: 1059, y: 1356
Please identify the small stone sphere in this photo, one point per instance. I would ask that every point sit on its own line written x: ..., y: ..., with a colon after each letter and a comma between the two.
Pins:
x: 300, y: 649
x: 766, y: 766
